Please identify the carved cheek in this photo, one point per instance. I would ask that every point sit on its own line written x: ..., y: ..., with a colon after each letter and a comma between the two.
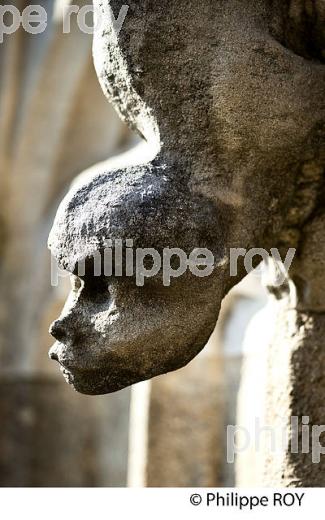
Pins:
x: 102, y: 323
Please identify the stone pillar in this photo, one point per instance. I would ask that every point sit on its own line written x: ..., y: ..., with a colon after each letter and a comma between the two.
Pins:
x: 281, y: 401
x: 177, y: 425
x: 240, y: 307
x: 251, y: 398
x: 296, y: 370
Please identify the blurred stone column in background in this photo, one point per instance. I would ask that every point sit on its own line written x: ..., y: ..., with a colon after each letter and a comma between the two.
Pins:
x: 240, y: 308
x: 251, y: 412
x: 176, y: 436
x: 54, y: 123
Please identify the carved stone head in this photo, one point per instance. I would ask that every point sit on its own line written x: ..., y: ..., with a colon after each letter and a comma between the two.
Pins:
x: 230, y: 97
x: 118, y: 329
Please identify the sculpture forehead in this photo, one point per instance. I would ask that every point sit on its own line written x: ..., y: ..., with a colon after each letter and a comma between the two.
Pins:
x: 82, y: 221
x: 92, y: 213
x: 131, y: 204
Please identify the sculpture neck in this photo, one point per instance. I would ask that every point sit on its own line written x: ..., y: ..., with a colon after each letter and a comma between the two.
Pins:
x: 162, y: 78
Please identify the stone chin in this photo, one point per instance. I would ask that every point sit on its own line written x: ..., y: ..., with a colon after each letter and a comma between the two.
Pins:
x: 94, y: 382
x: 112, y: 371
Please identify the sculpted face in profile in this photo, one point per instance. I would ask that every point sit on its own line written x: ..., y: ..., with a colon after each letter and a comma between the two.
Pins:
x: 229, y: 96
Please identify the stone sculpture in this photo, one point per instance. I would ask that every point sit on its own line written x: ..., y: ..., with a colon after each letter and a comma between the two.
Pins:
x: 230, y: 98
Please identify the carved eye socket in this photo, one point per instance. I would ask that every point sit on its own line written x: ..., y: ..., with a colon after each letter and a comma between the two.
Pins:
x: 301, y: 27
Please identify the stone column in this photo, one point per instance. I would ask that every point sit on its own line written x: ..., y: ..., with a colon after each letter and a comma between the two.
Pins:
x: 178, y: 440
x: 296, y: 370
x: 281, y: 401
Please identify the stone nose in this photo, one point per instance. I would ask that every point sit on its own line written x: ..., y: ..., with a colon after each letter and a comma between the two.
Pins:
x: 58, y: 330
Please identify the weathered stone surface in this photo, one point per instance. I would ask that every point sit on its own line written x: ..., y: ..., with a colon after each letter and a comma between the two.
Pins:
x: 292, y: 386
x: 134, y: 203
x: 296, y: 378
x: 233, y: 112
